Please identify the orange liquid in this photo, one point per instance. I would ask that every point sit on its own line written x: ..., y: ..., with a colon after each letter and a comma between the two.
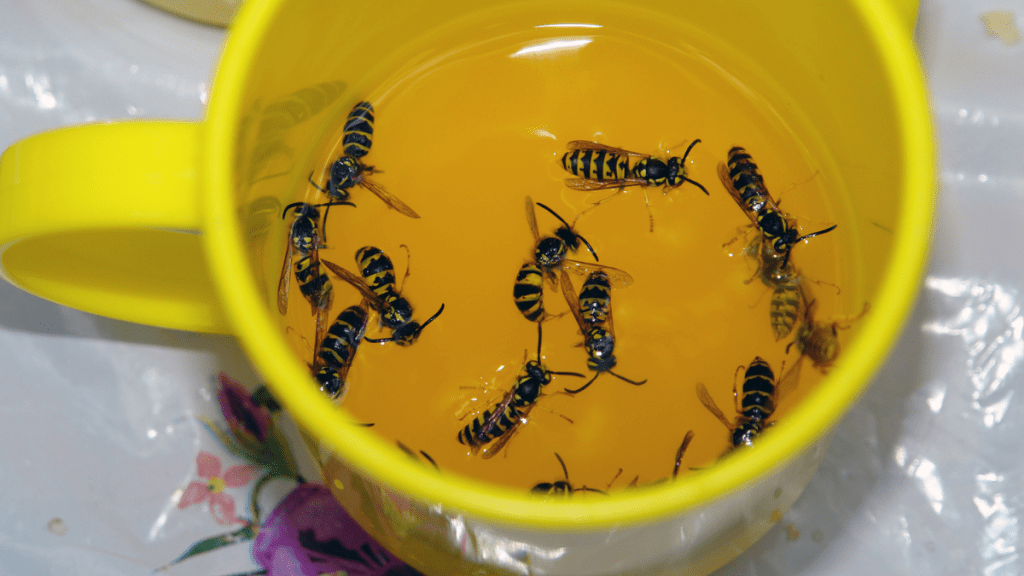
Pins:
x: 463, y: 138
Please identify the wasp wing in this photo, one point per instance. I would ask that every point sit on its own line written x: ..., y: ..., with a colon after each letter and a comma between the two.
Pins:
x: 682, y: 451
x: 588, y: 145
x: 589, y: 184
x: 617, y: 278
x: 789, y: 381
x: 389, y: 198
x: 284, y: 285
x: 723, y: 175
x: 531, y: 219
x: 357, y: 282
x: 709, y: 403
x: 493, y: 449
x: 573, y: 301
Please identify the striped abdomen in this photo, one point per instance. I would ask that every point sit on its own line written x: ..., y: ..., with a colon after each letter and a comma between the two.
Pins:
x: 489, y: 425
x: 596, y: 298
x: 358, y: 135
x: 785, y: 307
x: 597, y: 164
x: 342, y: 339
x: 313, y: 281
x: 758, y: 402
x: 377, y: 270
x: 747, y: 180
x: 529, y: 292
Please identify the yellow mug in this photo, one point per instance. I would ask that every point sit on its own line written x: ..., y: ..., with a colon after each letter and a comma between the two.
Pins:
x: 163, y: 223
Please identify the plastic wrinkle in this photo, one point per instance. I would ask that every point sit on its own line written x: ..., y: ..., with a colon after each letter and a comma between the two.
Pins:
x: 990, y: 325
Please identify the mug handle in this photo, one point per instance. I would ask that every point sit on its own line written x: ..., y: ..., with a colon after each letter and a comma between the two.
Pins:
x: 107, y: 218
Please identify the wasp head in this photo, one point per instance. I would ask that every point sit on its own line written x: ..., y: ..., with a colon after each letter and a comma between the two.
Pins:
x: 745, y: 433
x: 407, y: 333
x: 535, y: 371
x: 675, y: 172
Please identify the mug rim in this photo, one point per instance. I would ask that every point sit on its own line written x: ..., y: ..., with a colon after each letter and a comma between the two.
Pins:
x: 363, y: 450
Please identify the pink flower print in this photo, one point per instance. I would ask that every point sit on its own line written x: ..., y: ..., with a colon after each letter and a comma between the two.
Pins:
x: 222, y: 506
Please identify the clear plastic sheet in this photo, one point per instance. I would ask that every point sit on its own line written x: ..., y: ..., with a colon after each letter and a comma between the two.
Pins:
x: 102, y: 418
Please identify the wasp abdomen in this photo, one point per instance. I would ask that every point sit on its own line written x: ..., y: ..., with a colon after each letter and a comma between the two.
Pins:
x: 377, y: 270
x: 758, y: 390
x: 358, y: 135
x: 785, y: 307
x: 602, y: 165
x: 313, y: 281
x: 528, y: 292
x: 596, y: 298
x: 342, y: 339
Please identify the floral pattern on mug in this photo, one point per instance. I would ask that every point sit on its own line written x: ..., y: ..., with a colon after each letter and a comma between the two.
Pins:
x: 222, y: 506
x: 309, y: 534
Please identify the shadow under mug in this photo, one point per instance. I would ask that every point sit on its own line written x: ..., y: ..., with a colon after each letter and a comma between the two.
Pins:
x: 167, y: 223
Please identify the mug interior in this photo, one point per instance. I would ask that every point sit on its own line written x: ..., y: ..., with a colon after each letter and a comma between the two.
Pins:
x: 853, y: 91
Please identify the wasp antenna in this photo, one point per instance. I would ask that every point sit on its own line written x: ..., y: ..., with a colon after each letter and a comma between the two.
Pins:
x: 338, y: 203
x: 431, y: 319
x: 585, y: 386
x: 624, y: 379
x: 564, y: 469
x: 315, y: 185
x: 785, y: 259
x: 813, y: 234
x: 555, y: 214
x: 539, y: 334
x: 289, y: 207
x: 596, y: 259
x: 378, y: 340
x: 697, y: 184
x: 567, y: 374
x: 690, y: 147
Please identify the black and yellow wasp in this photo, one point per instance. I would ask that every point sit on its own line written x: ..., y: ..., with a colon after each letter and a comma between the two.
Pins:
x: 592, y: 310
x: 338, y: 349
x: 550, y: 252
x: 377, y: 285
x: 599, y: 166
x: 745, y: 184
x: 348, y: 170
x: 498, y: 424
x: 305, y: 237
x: 753, y: 409
x: 561, y: 488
